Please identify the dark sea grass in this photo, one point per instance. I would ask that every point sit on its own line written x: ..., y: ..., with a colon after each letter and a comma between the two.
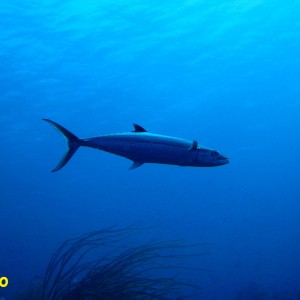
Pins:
x: 95, y: 266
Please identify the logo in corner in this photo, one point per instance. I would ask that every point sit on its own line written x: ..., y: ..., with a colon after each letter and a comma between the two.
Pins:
x: 3, y: 282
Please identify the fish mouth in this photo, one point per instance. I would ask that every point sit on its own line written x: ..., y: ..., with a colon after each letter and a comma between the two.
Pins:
x: 220, y: 162
x: 224, y: 160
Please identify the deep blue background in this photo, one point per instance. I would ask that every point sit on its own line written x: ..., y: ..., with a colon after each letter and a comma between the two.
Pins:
x: 225, y: 73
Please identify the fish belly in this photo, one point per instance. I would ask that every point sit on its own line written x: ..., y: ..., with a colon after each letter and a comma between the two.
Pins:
x: 153, y: 153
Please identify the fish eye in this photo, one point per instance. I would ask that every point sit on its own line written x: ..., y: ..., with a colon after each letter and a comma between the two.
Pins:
x: 215, y: 153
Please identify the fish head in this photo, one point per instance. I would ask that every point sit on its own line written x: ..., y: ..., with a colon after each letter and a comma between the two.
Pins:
x: 210, y: 158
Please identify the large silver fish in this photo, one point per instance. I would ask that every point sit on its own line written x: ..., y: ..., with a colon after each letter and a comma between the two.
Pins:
x: 142, y: 147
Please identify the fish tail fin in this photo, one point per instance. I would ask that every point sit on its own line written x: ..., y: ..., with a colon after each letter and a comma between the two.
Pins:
x: 73, y: 144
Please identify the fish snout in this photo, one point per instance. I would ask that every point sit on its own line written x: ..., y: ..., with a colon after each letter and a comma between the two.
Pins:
x: 224, y: 160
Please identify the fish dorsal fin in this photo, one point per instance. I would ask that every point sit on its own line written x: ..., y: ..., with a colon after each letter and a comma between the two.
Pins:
x: 194, y: 146
x: 135, y: 165
x: 138, y: 128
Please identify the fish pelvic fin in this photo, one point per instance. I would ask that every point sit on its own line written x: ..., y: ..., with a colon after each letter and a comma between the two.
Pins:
x: 73, y: 143
x: 135, y: 165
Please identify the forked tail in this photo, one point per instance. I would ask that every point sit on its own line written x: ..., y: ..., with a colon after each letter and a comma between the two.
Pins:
x: 73, y: 144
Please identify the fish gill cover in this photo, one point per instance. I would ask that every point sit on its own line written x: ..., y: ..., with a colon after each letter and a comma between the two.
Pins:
x: 224, y: 73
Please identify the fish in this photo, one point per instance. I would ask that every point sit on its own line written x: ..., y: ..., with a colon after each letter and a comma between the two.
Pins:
x: 141, y: 147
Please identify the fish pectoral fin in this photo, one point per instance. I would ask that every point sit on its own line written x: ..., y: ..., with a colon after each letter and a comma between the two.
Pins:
x: 135, y: 165
x: 138, y: 128
x: 194, y: 146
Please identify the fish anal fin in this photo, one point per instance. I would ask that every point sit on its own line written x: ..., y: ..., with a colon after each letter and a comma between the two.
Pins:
x: 194, y: 146
x: 138, y: 128
x: 135, y: 165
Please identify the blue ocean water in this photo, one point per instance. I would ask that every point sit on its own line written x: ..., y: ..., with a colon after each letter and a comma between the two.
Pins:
x: 223, y: 72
